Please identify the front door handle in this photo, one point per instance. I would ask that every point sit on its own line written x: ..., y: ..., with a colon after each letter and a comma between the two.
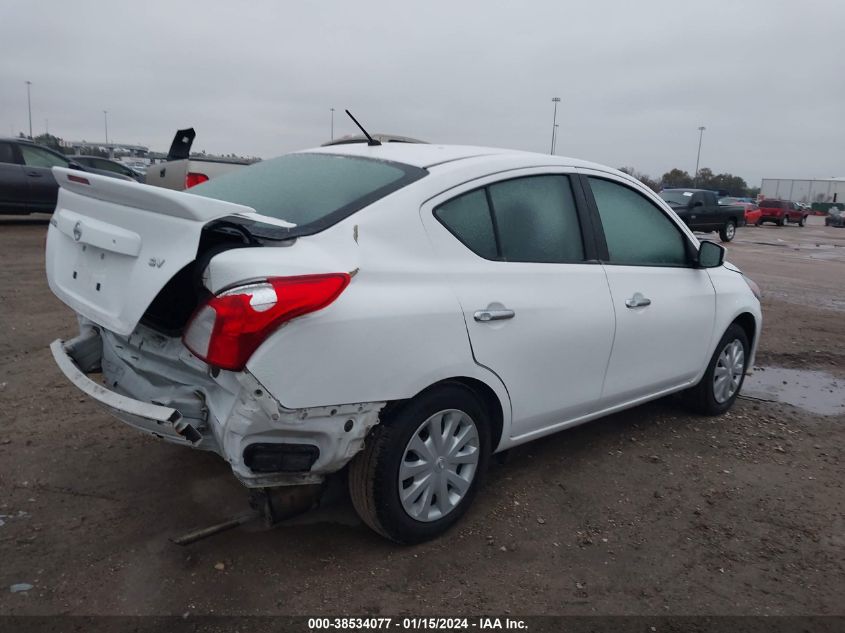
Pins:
x: 493, y: 315
x: 638, y: 301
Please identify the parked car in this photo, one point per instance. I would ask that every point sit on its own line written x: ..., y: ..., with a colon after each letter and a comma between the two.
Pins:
x: 183, y: 171
x: 27, y: 184
x: 403, y: 311
x: 781, y: 212
x: 107, y: 167
x: 835, y: 217
x: 701, y: 211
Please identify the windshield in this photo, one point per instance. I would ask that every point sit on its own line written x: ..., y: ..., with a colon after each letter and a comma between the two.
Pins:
x: 312, y: 191
x: 678, y: 198
x: 836, y: 211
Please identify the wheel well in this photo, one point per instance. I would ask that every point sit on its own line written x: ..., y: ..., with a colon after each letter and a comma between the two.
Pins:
x: 748, y: 324
x: 481, y: 390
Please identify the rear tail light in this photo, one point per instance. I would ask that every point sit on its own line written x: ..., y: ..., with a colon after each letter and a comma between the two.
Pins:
x: 193, y: 178
x: 226, y: 330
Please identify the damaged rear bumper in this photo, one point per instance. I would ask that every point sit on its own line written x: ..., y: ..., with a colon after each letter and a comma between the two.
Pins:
x: 155, y: 385
x: 145, y: 416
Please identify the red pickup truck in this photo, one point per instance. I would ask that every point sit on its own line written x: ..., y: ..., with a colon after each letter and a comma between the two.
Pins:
x: 781, y: 212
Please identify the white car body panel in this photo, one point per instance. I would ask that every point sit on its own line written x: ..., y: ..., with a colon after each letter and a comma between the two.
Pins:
x: 567, y: 306
x: 663, y: 345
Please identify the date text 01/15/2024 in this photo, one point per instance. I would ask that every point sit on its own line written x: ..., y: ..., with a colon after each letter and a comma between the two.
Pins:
x: 414, y: 624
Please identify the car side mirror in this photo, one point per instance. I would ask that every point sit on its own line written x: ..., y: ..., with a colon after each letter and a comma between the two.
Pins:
x: 698, y: 203
x: 710, y: 255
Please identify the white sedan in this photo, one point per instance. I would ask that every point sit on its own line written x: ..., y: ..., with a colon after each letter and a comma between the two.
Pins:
x: 405, y: 310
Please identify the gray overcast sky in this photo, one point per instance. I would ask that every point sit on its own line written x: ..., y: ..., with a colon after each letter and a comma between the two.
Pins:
x: 766, y: 77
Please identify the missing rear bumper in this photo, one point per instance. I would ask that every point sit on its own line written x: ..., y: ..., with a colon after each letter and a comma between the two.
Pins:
x: 146, y: 416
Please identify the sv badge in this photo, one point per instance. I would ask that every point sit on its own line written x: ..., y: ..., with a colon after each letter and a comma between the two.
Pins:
x: 155, y: 262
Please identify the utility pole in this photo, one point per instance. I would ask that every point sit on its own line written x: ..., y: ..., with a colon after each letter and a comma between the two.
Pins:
x: 698, y: 158
x: 29, y: 107
x: 555, y: 100
x: 332, y: 109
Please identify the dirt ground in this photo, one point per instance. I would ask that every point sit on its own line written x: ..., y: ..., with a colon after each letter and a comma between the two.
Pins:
x: 651, y: 511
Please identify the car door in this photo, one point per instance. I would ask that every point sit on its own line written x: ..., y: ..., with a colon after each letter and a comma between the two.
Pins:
x: 14, y: 185
x: 664, y: 305
x: 712, y: 212
x: 38, y: 163
x: 535, y: 300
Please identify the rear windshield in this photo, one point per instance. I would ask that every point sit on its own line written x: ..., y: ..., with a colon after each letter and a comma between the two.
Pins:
x: 312, y: 191
x: 773, y: 204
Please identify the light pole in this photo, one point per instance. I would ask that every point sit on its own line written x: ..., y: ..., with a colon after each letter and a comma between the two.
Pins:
x: 554, y: 141
x: 332, y: 109
x: 106, y: 123
x: 555, y: 100
x: 698, y: 158
x: 29, y: 107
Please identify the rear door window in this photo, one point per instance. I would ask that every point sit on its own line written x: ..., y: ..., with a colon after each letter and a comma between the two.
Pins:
x: 531, y: 219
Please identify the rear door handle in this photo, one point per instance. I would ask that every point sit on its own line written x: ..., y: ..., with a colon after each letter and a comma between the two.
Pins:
x: 638, y: 301
x: 493, y: 315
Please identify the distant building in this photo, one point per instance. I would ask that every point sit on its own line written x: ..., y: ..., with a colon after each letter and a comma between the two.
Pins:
x: 807, y: 191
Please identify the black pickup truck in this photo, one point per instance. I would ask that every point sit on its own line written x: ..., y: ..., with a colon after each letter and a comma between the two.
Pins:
x: 700, y: 210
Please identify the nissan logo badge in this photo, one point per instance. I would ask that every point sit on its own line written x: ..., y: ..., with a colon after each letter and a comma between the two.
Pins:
x: 77, y: 231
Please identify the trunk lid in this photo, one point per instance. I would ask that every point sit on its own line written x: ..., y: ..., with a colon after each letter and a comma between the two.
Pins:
x: 181, y: 146
x: 112, y: 245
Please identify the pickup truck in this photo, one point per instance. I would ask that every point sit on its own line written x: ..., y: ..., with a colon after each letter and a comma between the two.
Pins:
x: 700, y: 210
x: 182, y: 171
x: 782, y: 212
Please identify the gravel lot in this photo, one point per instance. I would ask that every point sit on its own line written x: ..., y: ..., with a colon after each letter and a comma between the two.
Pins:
x: 651, y: 511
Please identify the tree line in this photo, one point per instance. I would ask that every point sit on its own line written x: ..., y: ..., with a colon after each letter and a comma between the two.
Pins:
x: 678, y: 178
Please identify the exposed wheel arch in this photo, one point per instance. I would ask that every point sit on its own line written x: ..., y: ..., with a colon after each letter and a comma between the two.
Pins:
x: 748, y: 323
x: 481, y: 390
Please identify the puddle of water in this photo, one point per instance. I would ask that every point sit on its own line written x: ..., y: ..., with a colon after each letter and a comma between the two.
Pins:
x: 811, y: 390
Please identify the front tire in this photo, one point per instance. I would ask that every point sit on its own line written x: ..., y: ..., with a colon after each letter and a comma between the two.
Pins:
x: 421, y: 466
x: 722, y: 381
x: 802, y: 221
x: 728, y: 232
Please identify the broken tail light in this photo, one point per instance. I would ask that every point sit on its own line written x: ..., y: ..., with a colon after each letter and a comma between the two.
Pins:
x: 194, y: 178
x: 229, y: 327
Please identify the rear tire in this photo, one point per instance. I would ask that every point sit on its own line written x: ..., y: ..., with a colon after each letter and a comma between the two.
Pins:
x: 728, y: 232
x: 802, y: 221
x: 719, y: 387
x: 447, y: 487
x: 783, y: 221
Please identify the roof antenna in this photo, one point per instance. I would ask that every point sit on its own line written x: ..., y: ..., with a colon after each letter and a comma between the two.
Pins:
x: 370, y: 140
